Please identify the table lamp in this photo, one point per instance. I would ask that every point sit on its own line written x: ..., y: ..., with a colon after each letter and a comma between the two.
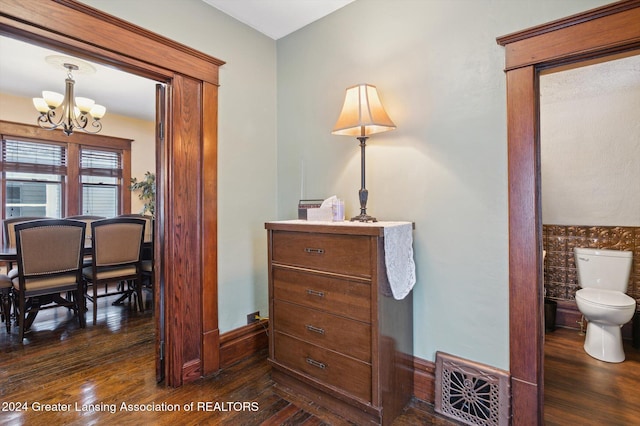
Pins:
x: 362, y: 115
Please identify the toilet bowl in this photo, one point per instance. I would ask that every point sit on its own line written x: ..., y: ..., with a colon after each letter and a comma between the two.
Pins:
x: 604, y: 276
x: 606, y: 311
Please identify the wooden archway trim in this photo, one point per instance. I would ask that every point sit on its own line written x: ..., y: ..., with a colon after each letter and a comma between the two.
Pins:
x: 77, y: 28
x: 186, y: 228
x: 596, y: 33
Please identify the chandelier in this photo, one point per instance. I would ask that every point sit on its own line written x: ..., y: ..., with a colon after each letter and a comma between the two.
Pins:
x: 65, y: 111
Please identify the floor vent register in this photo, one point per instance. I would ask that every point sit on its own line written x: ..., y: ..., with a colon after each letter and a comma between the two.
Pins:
x: 470, y: 392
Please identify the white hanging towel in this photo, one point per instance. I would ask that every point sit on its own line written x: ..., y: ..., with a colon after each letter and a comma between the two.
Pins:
x: 398, y: 249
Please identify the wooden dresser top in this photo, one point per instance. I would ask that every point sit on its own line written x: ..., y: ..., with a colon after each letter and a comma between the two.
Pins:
x: 353, y: 228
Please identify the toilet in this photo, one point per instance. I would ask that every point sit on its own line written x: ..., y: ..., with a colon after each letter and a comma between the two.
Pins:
x: 603, y: 276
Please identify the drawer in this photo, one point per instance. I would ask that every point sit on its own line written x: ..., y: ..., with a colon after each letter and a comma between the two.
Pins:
x: 342, y: 335
x: 324, y: 365
x: 338, y: 296
x: 342, y: 254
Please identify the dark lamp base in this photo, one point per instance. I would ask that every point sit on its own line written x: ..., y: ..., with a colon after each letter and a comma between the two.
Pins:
x: 363, y: 218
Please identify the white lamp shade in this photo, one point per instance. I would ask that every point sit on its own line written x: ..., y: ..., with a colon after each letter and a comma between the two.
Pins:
x: 52, y: 99
x: 362, y: 113
x: 84, y: 104
x: 40, y: 105
x: 98, y: 111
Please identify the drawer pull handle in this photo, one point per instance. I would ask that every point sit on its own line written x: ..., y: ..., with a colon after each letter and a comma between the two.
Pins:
x: 315, y: 293
x: 314, y: 250
x: 314, y: 329
x: 320, y: 365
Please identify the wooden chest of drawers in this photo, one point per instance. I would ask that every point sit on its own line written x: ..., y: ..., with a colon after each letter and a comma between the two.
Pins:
x: 335, y: 338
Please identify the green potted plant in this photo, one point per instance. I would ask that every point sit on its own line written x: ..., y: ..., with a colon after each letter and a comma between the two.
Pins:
x: 147, y: 195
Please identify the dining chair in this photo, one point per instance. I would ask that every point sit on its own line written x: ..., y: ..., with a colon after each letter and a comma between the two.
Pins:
x: 116, y: 258
x: 9, y: 236
x: 87, y: 219
x: 148, y: 264
x: 148, y: 228
x: 5, y: 300
x: 49, y: 258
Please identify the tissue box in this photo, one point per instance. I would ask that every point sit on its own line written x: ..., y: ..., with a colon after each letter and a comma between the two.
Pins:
x: 322, y: 214
x: 305, y: 205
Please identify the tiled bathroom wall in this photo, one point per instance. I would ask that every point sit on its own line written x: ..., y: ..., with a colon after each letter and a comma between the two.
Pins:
x: 560, y: 275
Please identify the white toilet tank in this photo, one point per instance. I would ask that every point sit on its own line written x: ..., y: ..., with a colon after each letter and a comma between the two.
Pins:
x: 604, y: 269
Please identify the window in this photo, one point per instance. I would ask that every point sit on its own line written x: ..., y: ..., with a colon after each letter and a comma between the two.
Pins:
x: 47, y: 173
x: 33, y: 177
x: 101, y: 175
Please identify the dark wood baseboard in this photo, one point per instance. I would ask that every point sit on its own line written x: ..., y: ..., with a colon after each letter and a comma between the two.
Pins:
x: 243, y: 342
x: 568, y: 315
x: 424, y: 380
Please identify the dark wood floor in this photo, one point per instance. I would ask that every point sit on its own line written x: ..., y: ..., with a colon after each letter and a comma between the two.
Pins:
x: 113, y: 363
x: 580, y: 390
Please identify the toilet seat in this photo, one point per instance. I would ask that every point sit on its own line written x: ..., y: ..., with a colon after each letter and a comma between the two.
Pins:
x: 606, y: 298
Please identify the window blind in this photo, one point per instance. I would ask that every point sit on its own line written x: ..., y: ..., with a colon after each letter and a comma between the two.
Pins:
x: 32, y: 157
x: 100, y: 163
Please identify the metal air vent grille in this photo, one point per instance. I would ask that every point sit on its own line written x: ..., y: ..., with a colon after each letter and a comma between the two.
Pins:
x: 470, y: 392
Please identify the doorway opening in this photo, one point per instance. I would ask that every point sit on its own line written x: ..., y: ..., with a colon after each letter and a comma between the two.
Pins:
x: 599, y: 32
x: 589, y: 150
x: 186, y: 239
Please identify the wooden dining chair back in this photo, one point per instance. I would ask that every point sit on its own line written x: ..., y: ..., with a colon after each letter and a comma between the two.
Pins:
x: 116, y: 258
x: 9, y: 224
x: 87, y: 219
x: 148, y: 264
x: 49, y: 258
x: 148, y: 228
x: 9, y: 237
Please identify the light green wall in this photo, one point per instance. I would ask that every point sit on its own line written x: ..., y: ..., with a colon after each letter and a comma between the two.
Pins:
x: 246, y: 139
x: 440, y: 75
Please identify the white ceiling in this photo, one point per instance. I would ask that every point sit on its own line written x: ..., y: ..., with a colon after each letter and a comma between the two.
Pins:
x: 24, y: 72
x: 277, y: 18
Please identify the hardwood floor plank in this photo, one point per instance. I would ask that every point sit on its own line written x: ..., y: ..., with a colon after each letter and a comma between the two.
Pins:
x: 281, y: 416
x: 314, y: 421
x: 582, y: 390
x: 275, y: 409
